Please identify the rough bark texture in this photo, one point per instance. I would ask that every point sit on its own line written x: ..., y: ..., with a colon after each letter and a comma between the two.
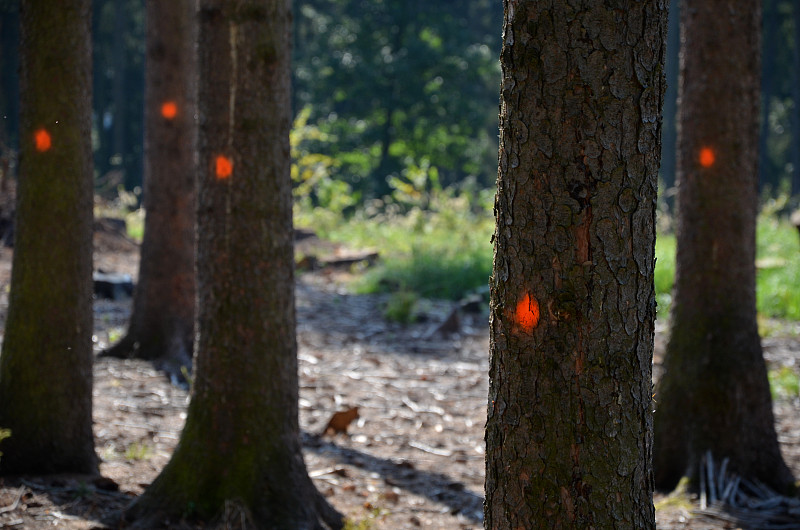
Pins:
x: 162, y: 323
x: 240, y: 445
x: 46, y: 364
x: 569, y: 427
x: 714, y: 394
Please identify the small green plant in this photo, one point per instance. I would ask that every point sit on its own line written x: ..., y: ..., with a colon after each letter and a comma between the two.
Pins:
x: 4, y: 433
x: 138, y: 451
x: 134, y: 222
x: 402, y: 307
x: 784, y: 383
x: 367, y: 522
x: 114, y: 334
x: 679, y: 498
x: 82, y: 491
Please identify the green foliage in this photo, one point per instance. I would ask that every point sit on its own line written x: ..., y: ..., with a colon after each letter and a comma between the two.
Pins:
x: 400, y: 86
x: 784, y: 383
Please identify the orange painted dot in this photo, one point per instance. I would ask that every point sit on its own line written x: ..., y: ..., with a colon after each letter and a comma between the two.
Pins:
x: 224, y: 167
x: 169, y: 110
x: 42, y: 140
x: 527, y: 313
x: 707, y: 157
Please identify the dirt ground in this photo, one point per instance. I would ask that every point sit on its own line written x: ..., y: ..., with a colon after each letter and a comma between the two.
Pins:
x: 413, y: 459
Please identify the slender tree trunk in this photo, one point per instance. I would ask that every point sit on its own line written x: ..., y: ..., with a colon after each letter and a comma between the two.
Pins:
x: 714, y: 395
x: 568, y: 435
x: 240, y: 447
x: 46, y: 364
x: 162, y: 322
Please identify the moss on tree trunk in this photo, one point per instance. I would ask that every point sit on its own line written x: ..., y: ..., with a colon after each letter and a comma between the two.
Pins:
x: 46, y: 363
x: 570, y: 427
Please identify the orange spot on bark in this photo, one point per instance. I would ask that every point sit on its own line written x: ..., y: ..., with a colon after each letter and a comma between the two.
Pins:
x: 42, y: 140
x: 169, y: 110
x: 707, y: 157
x: 527, y: 313
x: 224, y: 167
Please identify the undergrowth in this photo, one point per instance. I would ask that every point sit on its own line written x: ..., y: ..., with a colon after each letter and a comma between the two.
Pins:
x: 784, y: 383
x: 439, y: 247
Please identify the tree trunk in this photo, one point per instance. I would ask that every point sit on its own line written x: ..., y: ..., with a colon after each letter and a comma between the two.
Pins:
x: 162, y: 322
x: 240, y: 447
x: 714, y: 394
x: 46, y: 364
x: 568, y: 436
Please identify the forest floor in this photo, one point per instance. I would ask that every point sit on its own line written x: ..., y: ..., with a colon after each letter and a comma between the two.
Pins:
x: 413, y: 459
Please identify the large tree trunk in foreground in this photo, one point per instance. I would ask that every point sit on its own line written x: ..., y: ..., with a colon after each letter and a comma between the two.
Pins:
x: 714, y: 395
x: 240, y: 448
x: 568, y: 436
x: 46, y: 364
x: 162, y: 322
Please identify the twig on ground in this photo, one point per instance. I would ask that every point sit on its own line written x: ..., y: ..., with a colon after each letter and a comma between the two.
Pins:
x: 13, y: 506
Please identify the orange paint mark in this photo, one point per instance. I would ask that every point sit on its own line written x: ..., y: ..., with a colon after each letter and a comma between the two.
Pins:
x: 169, y: 110
x: 224, y: 167
x: 527, y: 313
x: 42, y: 140
x: 707, y: 157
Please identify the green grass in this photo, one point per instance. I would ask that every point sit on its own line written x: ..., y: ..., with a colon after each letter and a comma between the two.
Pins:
x: 138, y: 451
x: 778, y: 268
x: 784, y: 383
x: 436, y: 254
x: 446, y: 252
x: 778, y: 262
x: 665, y: 272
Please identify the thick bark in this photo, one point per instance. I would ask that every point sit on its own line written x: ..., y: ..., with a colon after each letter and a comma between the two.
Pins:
x: 241, y: 442
x: 46, y: 364
x: 162, y: 322
x: 568, y: 435
x: 714, y: 394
